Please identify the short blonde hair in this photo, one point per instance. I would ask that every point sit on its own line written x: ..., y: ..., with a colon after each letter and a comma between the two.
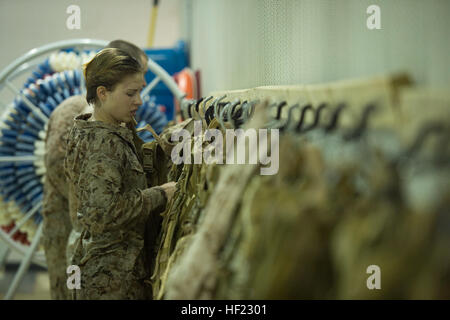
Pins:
x: 108, y: 67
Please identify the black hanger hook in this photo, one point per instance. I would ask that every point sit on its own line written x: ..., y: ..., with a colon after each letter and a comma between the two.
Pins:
x: 316, y: 116
x: 189, y: 112
x: 298, y: 128
x: 279, y: 107
x: 335, y: 117
x: 289, y: 117
x: 198, y: 103
x: 362, y: 125
x: 237, y: 115
x: 425, y: 131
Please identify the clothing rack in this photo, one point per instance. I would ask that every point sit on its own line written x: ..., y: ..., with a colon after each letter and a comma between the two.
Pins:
x: 379, y: 103
x: 370, y: 156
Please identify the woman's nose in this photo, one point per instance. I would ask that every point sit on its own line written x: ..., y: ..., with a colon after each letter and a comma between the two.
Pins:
x: 139, y: 100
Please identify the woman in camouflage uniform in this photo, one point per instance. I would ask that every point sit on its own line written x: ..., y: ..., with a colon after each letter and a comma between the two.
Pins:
x: 58, y: 229
x: 107, y: 184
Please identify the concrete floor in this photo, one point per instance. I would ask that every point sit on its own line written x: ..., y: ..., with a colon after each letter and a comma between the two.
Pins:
x: 35, y: 285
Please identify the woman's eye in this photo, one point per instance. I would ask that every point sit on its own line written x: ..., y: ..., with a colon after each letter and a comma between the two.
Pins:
x: 130, y: 94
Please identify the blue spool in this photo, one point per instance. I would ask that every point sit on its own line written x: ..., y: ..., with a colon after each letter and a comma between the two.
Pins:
x: 66, y: 93
x: 29, y: 185
x: 14, y: 194
x: 4, y: 172
x: 6, y: 150
x: 15, y: 116
x: 8, y: 180
x: 26, y: 207
x: 36, y: 199
x: 33, y: 123
x: 60, y: 81
x: 69, y: 79
x: 45, y: 109
x: 46, y: 86
x: 45, y: 66
x: 25, y: 147
x: 77, y: 77
x: 52, y: 84
x: 8, y: 140
x: 52, y: 102
x: 26, y: 178
x: 58, y: 97
x: 22, y: 108
x: 37, y: 75
x: 12, y: 125
x: 36, y: 91
x: 30, y: 131
x: 37, y: 118
x: 23, y: 153
x: 26, y: 138
x: 9, y: 132
x: 35, y: 191
x: 38, y: 217
x: 20, y: 199
x: 30, y: 97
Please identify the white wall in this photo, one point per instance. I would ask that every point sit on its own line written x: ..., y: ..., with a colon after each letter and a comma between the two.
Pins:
x: 247, y: 43
x: 25, y: 24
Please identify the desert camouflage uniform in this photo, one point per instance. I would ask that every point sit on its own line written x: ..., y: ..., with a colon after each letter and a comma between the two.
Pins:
x: 108, y: 192
x: 55, y: 208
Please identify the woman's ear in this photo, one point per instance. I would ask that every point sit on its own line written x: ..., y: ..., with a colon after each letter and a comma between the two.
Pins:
x: 101, y: 93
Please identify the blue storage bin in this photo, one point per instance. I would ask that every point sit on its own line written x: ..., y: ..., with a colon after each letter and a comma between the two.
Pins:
x: 172, y: 60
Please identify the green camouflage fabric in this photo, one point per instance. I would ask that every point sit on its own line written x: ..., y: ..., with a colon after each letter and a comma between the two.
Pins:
x: 112, y: 204
x: 55, y: 207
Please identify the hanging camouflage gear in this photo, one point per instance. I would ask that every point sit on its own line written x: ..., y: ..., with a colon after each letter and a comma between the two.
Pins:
x: 335, y: 208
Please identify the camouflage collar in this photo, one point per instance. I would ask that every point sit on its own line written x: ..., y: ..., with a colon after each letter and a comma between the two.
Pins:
x: 82, y: 122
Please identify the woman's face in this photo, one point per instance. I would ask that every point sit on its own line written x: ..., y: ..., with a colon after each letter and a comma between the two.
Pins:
x: 124, y: 100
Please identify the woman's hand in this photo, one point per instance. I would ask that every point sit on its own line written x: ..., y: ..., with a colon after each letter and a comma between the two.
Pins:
x: 169, y: 188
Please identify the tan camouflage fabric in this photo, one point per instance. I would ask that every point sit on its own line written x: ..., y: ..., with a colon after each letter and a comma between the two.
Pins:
x: 160, y: 169
x: 56, y: 230
x: 195, y: 184
x: 55, y: 207
x: 112, y: 205
x: 306, y: 234
x: 311, y: 231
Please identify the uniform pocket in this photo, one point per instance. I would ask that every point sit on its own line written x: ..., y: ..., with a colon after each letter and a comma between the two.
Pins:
x: 136, y: 166
x: 148, y: 151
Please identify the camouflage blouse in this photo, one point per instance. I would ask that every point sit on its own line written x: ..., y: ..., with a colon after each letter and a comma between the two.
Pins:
x: 109, y: 199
